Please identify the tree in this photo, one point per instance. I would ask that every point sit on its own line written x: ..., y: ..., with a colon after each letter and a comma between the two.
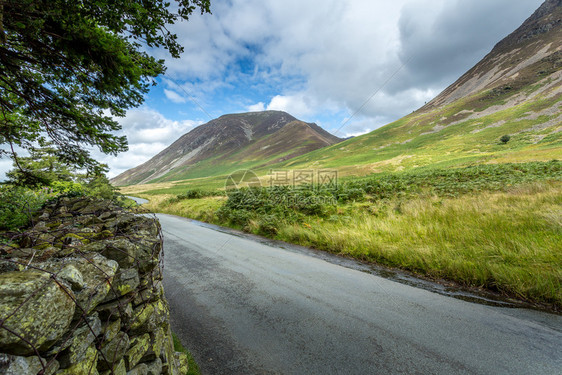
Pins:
x: 67, y: 65
x: 44, y: 169
x: 41, y: 168
x: 505, y: 138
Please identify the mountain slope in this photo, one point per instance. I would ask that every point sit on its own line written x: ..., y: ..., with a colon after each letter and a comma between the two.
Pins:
x: 228, y: 143
x: 515, y: 90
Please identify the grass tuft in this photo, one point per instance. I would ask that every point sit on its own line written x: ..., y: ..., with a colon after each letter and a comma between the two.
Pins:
x: 178, y: 347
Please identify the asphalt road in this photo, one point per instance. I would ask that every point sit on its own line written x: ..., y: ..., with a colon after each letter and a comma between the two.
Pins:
x: 138, y: 200
x: 248, y: 307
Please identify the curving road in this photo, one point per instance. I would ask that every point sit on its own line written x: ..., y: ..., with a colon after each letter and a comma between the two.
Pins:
x: 251, y: 307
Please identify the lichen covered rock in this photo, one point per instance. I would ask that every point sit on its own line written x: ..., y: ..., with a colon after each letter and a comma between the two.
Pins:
x: 16, y: 365
x: 27, y: 302
x: 148, y: 317
x: 118, y: 369
x: 126, y: 281
x: 81, y: 339
x: 113, y: 351
x: 139, y: 346
x: 182, y: 364
x: 88, y: 366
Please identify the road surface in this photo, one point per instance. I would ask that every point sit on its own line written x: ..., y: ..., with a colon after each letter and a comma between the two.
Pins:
x: 138, y: 200
x: 251, y: 307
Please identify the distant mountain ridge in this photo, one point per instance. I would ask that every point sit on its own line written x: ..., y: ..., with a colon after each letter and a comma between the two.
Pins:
x: 228, y: 143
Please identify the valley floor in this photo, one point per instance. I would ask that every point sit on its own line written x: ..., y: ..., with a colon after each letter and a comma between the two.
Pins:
x: 504, y: 236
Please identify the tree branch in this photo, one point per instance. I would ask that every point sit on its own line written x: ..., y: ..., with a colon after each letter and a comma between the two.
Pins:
x: 2, y: 33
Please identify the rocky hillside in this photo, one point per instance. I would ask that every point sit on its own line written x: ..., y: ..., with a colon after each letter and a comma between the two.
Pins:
x: 514, y: 91
x: 527, y: 55
x: 228, y: 143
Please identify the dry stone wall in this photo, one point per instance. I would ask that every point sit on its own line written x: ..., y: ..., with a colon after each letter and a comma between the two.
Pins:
x: 81, y: 293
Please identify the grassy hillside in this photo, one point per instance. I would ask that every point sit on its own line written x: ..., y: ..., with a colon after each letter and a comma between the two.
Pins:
x: 295, y: 138
x: 515, y: 90
x: 465, y: 132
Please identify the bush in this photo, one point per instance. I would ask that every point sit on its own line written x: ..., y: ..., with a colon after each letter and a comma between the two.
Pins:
x: 240, y: 217
x: 192, y: 194
x: 349, y: 194
x: 269, y: 207
x: 457, y: 181
x: 17, y: 205
x: 67, y: 188
x: 268, y: 225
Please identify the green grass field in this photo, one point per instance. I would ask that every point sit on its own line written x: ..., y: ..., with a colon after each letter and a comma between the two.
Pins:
x: 493, y: 226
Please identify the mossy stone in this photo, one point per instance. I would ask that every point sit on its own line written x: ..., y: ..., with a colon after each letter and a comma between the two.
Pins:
x: 16, y: 365
x: 27, y: 302
x: 139, y: 346
x: 113, y: 351
x: 88, y: 366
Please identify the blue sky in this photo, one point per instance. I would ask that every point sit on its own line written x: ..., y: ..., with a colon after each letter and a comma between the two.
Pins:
x: 319, y: 60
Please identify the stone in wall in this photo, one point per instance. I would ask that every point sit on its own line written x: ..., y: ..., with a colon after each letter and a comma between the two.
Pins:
x: 81, y: 293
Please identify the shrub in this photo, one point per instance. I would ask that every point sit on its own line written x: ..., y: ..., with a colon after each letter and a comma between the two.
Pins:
x: 268, y: 225
x: 68, y: 188
x: 192, y: 194
x: 17, y: 205
x: 240, y: 217
x: 348, y: 194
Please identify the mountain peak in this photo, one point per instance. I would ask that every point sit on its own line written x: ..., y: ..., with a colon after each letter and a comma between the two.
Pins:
x: 515, y: 90
x: 544, y: 19
x: 229, y: 142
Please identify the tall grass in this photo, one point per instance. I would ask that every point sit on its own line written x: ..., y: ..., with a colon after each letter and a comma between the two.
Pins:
x: 506, y: 241
x: 202, y: 209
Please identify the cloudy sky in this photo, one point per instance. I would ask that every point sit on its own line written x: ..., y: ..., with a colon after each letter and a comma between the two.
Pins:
x: 320, y: 60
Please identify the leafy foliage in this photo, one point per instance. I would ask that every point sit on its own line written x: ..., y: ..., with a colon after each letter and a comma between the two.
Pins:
x: 66, y: 65
x: 17, y: 205
x: 46, y: 177
x: 273, y: 206
x: 457, y: 181
x: 193, y: 194
x: 492, y: 226
x: 41, y: 168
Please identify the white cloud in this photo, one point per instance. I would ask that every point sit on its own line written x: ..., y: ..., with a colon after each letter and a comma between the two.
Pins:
x: 5, y: 166
x: 318, y: 58
x: 174, y: 96
x: 330, y: 55
x: 299, y: 105
x: 256, y: 107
